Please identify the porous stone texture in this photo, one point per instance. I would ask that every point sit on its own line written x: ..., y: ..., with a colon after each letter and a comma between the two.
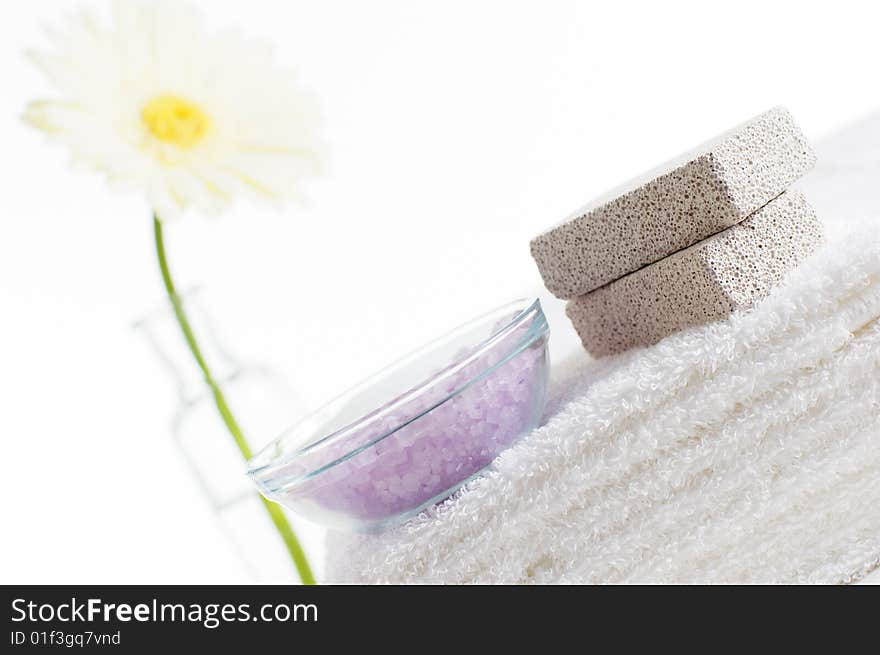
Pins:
x: 705, y: 191
x: 701, y: 284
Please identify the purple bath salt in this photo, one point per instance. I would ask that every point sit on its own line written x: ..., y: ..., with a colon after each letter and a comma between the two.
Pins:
x: 424, y: 448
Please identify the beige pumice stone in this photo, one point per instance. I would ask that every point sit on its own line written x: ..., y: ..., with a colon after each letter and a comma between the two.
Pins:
x: 701, y: 284
x: 705, y: 191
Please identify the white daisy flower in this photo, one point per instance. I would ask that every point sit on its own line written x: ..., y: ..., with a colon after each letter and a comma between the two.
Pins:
x: 191, y: 119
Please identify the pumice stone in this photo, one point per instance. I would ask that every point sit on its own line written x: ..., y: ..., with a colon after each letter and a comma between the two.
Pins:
x: 701, y: 284
x: 693, y: 197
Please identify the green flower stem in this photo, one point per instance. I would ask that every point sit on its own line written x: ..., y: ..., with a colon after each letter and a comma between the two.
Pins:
x: 275, y: 513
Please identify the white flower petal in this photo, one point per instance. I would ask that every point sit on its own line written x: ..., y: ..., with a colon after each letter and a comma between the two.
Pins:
x: 261, y: 138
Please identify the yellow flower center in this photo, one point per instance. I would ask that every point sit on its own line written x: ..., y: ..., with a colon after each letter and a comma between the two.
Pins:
x: 175, y: 120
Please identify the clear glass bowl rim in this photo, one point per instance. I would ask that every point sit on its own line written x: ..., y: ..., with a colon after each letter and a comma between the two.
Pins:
x: 270, y: 457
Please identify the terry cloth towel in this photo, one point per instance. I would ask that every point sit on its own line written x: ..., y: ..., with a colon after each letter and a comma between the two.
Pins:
x: 743, y: 451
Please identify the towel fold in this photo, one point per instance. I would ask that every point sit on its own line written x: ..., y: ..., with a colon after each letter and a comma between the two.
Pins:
x: 743, y: 451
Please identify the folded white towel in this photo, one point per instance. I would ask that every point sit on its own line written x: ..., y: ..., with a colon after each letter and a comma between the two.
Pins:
x: 744, y: 451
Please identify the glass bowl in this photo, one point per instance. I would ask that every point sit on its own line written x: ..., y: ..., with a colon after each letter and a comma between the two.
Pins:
x: 411, y: 435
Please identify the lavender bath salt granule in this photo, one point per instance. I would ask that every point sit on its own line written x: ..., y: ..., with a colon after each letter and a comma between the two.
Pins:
x: 434, y: 443
x: 437, y: 451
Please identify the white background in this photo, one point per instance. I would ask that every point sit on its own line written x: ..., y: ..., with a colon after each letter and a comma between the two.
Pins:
x: 457, y: 130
